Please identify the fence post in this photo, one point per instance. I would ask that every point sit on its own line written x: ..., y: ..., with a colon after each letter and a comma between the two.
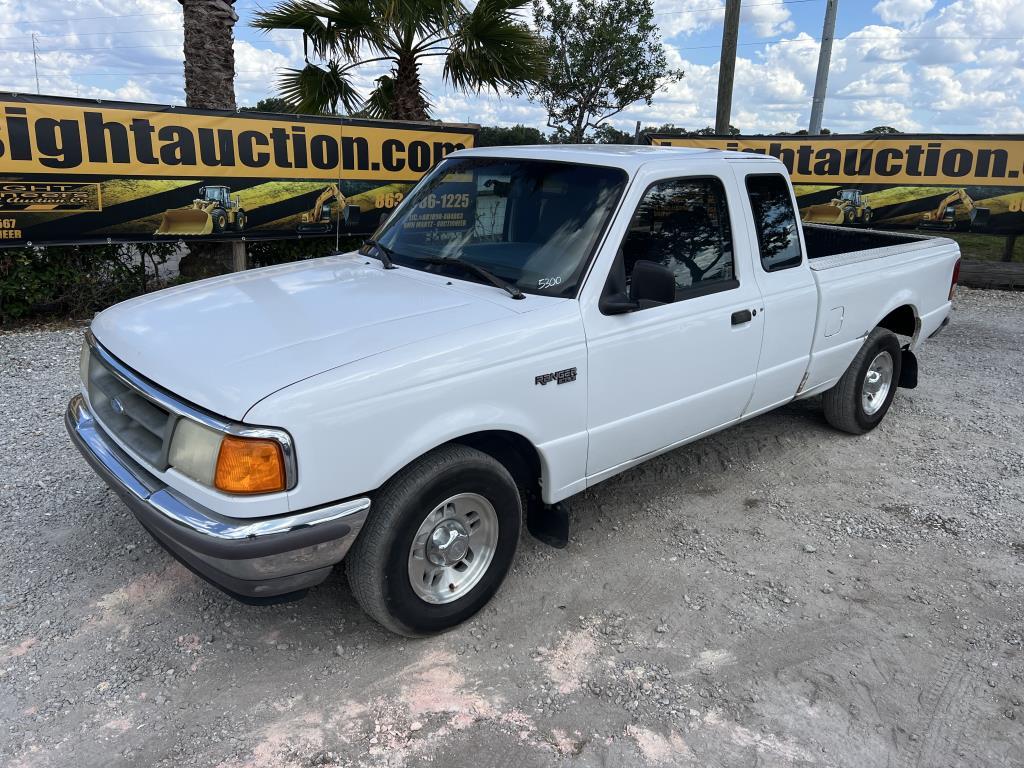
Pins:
x: 238, y: 256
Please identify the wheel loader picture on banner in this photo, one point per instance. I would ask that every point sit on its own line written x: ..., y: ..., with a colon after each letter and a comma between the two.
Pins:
x: 945, y: 215
x: 213, y: 212
x: 849, y: 207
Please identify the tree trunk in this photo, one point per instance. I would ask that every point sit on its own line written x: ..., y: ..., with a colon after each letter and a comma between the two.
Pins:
x: 209, y: 84
x: 409, y: 103
x: 209, y: 53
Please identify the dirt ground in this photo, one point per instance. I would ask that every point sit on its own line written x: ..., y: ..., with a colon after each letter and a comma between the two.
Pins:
x: 779, y: 594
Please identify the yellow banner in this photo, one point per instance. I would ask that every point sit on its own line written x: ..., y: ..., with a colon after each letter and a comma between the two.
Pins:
x: 953, y: 161
x: 83, y: 139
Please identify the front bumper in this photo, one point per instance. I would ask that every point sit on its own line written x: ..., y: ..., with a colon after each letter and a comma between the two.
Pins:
x: 251, y: 559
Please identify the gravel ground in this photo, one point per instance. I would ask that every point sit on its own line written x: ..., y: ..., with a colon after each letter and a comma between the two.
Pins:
x: 779, y: 594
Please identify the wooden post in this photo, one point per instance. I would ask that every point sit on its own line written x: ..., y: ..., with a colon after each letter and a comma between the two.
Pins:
x: 727, y: 67
x: 1011, y: 242
x: 824, y: 60
x: 239, y: 262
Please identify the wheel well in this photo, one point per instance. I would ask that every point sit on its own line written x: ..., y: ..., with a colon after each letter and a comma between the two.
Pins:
x: 902, y: 320
x: 514, y: 451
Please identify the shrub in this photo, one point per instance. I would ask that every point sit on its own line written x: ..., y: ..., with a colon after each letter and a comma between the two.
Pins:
x: 265, y: 253
x: 73, y: 281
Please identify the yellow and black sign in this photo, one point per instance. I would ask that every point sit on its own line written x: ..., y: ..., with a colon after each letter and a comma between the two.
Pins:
x: 84, y: 171
x: 908, y: 180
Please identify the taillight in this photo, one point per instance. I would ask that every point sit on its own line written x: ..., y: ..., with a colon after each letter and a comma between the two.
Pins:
x: 955, y: 280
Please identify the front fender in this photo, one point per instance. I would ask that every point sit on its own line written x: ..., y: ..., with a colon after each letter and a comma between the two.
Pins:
x: 354, y: 427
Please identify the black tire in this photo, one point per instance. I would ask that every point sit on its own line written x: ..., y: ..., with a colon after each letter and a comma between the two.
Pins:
x: 868, y: 215
x: 843, y: 403
x: 377, y: 564
x: 239, y: 221
x: 220, y: 220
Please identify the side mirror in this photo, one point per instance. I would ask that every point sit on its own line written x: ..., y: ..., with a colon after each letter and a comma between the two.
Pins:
x: 652, y: 283
x: 619, y: 304
x: 614, y: 299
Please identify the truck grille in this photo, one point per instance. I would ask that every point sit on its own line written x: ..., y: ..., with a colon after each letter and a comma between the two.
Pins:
x: 139, y: 423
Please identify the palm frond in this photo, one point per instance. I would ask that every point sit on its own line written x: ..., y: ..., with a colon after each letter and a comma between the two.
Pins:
x: 380, y: 104
x: 492, y: 48
x: 315, y: 90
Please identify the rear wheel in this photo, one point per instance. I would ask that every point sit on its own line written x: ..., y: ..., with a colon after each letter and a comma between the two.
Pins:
x: 240, y: 221
x: 439, y: 541
x: 861, y: 398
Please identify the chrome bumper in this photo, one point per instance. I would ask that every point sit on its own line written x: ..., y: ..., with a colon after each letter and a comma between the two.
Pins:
x: 248, y: 558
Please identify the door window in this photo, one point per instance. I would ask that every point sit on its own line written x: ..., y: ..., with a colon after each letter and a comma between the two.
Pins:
x: 683, y: 224
x: 775, y: 221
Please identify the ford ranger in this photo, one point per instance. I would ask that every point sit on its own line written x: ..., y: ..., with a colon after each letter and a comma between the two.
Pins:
x: 529, y: 322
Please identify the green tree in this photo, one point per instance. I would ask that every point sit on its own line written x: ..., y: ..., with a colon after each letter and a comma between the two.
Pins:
x: 884, y: 130
x: 603, y: 56
x: 486, y: 48
x: 517, y: 135
x: 272, y: 104
x: 606, y: 133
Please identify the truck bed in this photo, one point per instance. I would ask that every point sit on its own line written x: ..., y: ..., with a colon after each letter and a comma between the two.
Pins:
x: 830, y: 246
x: 862, y: 275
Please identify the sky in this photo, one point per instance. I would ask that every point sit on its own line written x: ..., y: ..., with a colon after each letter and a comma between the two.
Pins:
x: 942, y: 66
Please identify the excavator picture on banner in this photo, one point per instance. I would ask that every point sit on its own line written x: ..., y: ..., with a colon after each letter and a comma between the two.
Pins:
x: 945, y: 215
x: 320, y: 218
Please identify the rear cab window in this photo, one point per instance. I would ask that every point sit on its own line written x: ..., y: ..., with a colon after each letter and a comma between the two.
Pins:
x: 775, y: 220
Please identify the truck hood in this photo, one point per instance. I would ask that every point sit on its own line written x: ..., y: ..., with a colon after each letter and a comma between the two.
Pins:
x: 224, y: 344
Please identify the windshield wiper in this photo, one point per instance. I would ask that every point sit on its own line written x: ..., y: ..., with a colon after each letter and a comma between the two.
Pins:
x: 477, y: 270
x: 384, y: 253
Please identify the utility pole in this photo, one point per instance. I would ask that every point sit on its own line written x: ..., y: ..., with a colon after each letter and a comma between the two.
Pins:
x: 636, y: 133
x: 824, y: 60
x: 727, y: 68
x: 35, y: 62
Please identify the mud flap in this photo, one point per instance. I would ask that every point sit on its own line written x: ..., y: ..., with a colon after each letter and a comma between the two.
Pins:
x: 908, y: 369
x: 549, y: 523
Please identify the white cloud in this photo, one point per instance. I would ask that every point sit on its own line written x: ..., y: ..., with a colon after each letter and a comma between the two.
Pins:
x: 903, y: 11
x: 768, y: 19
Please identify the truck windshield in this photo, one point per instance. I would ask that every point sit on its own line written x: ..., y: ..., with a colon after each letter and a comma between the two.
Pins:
x: 532, y: 223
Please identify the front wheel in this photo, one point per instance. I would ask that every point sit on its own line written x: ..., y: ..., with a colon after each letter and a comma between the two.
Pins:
x: 861, y: 398
x: 439, y: 541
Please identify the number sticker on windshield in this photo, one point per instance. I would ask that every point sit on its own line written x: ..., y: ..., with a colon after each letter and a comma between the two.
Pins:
x: 549, y: 282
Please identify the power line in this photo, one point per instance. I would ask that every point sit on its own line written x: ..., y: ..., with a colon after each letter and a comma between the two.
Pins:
x: 68, y: 19
x: 713, y: 9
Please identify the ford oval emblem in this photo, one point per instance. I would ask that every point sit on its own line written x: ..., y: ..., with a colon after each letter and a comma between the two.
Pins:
x: 117, y: 406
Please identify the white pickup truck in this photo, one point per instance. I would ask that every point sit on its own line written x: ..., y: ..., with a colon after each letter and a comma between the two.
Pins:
x: 529, y: 322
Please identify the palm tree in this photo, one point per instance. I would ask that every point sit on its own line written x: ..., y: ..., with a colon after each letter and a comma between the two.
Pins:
x: 209, y: 84
x: 487, y: 47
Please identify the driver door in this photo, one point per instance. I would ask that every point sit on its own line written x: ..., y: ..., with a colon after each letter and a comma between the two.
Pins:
x: 670, y: 372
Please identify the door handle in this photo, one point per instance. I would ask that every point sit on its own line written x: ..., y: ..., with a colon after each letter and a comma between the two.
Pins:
x: 741, y: 317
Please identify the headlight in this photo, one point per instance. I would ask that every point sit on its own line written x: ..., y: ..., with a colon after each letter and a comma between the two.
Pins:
x: 229, y: 463
x: 194, y: 450
x: 83, y: 364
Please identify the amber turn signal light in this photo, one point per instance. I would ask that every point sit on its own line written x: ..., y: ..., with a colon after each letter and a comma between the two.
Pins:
x: 249, y: 465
